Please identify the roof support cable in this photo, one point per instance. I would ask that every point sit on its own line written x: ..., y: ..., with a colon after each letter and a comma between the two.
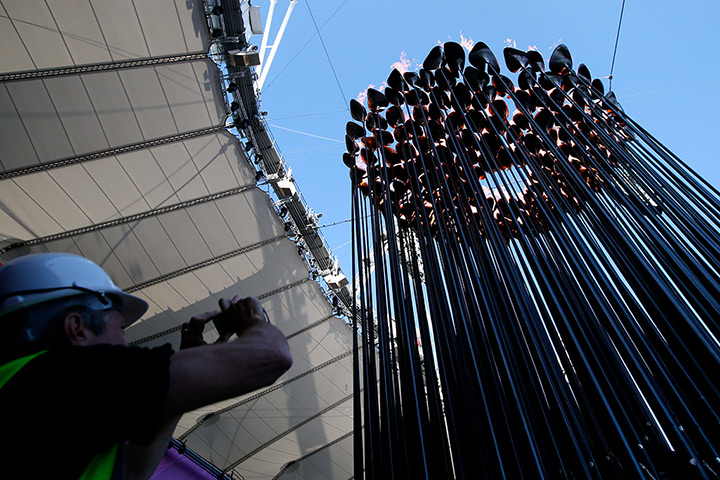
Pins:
x: 617, y: 38
x: 332, y: 67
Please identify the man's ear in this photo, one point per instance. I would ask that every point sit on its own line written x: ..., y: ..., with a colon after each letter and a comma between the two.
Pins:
x: 75, y: 330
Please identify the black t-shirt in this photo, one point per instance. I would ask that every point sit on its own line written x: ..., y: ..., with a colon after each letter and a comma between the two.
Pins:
x: 67, y: 405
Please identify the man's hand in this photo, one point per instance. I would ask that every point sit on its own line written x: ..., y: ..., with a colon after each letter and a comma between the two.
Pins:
x: 191, y: 333
x: 211, y: 373
x: 242, y: 313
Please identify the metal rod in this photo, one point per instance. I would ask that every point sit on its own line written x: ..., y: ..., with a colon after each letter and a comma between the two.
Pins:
x: 537, y: 293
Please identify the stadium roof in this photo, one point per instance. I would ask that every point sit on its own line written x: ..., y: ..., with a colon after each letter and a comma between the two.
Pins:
x: 115, y: 146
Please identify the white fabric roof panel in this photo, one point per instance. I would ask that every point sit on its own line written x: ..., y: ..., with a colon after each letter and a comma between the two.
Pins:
x: 174, y: 301
x: 32, y: 115
x: 183, y: 259
x: 61, y: 33
x: 75, y: 112
x: 270, y: 460
x: 37, y: 33
x: 134, y: 243
x: 97, y: 191
x: 55, y: 118
x: 14, y: 151
x: 333, y: 462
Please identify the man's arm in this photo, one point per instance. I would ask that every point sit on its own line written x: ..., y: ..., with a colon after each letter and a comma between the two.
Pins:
x: 201, y: 374
x: 142, y: 460
x: 204, y: 375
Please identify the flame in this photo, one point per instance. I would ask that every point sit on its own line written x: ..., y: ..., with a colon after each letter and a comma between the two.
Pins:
x: 403, y: 65
x: 468, y: 43
x: 532, y: 47
x: 509, y: 42
x: 362, y: 96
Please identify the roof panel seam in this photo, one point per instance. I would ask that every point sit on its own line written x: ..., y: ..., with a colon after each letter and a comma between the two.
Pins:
x: 59, y: 32
x: 139, y: 22
x: 25, y: 127
x: 12, y: 22
x: 179, y: 18
x: 130, y: 104
x: 102, y: 32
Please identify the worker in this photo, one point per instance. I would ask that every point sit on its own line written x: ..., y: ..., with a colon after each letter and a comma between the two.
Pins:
x: 77, y: 402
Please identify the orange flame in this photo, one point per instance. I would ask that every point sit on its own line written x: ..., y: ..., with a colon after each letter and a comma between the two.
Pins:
x: 467, y: 43
x: 559, y: 41
x: 403, y: 65
x: 362, y: 96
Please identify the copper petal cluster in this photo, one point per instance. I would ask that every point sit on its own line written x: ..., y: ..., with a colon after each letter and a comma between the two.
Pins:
x: 448, y: 128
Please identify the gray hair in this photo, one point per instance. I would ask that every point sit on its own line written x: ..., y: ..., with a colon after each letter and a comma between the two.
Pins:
x: 40, y: 327
x: 95, y: 320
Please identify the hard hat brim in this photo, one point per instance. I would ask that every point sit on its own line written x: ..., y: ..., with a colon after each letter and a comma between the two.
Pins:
x: 131, y: 307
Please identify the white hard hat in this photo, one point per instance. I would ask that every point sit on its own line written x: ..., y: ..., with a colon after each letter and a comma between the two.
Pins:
x: 39, y: 278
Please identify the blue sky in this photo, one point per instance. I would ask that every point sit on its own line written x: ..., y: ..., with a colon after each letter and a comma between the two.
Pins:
x: 666, y: 74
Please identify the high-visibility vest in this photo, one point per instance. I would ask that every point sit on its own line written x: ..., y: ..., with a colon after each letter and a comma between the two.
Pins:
x: 101, y: 465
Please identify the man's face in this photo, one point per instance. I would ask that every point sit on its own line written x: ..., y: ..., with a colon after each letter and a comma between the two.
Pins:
x: 114, y: 333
